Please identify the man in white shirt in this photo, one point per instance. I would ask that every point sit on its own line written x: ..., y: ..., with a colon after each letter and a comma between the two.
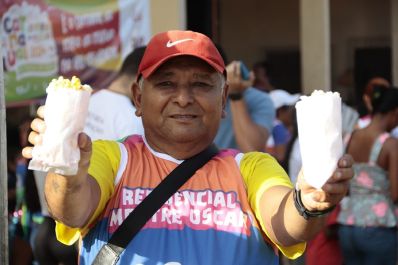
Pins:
x: 111, y: 114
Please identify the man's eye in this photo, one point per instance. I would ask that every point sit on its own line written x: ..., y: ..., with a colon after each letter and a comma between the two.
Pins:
x: 201, y: 84
x: 165, y: 84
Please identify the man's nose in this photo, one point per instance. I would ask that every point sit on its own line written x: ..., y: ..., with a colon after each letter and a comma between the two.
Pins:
x: 184, y: 96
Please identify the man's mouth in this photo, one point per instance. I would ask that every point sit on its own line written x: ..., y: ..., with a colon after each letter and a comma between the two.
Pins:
x: 183, y: 116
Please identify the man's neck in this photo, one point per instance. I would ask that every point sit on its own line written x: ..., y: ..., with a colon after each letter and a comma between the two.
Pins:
x: 179, y: 151
x: 267, y: 87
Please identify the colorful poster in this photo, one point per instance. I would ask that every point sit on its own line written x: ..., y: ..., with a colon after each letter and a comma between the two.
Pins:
x: 44, y: 39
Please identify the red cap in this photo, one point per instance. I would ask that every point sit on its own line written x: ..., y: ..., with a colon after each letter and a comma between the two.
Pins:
x: 169, y: 44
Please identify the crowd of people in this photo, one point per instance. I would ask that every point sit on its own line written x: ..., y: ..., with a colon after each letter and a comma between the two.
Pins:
x: 250, y: 204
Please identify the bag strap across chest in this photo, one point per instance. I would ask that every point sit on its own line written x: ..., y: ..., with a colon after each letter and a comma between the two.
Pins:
x: 111, y: 251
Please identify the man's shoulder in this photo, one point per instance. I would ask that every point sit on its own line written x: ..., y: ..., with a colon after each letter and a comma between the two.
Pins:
x: 100, y: 96
x: 98, y: 93
x: 252, y: 91
x: 254, y: 95
x: 260, y: 104
x: 108, y: 95
x: 133, y: 139
x: 239, y: 155
x: 114, y: 100
x: 228, y: 152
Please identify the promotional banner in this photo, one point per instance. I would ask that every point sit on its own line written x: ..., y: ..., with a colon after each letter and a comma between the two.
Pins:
x: 89, y: 39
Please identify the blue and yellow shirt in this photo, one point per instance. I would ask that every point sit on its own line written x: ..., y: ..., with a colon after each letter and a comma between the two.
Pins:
x: 212, y: 219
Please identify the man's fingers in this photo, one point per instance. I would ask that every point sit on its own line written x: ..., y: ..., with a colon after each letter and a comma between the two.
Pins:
x: 34, y: 138
x: 233, y: 71
x: 38, y: 125
x: 40, y: 111
x: 333, y: 190
x: 237, y: 68
x: 85, y: 146
x: 318, y: 200
x: 27, y: 152
x: 336, y: 188
x: 346, y: 161
x: 84, y: 143
x: 341, y: 174
x: 247, y: 83
x: 344, y: 172
x: 230, y: 68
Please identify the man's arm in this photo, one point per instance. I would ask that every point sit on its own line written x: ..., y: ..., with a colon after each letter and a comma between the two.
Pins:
x: 249, y: 135
x: 280, y: 216
x: 71, y: 199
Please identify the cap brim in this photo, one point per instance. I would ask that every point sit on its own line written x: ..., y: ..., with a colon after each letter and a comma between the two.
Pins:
x: 288, y: 100
x: 150, y: 70
x: 294, y: 98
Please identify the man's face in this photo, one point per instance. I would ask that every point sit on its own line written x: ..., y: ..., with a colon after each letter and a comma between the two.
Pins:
x: 181, y: 102
x: 261, y: 78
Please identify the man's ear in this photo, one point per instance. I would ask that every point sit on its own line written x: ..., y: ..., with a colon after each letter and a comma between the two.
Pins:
x: 223, y: 114
x: 137, y: 95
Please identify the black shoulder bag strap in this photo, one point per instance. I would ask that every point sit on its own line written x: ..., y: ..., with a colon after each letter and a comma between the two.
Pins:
x: 110, y: 252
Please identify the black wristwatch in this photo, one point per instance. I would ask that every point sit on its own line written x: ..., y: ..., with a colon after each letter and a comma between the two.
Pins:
x: 304, y: 212
x: 235, y: 96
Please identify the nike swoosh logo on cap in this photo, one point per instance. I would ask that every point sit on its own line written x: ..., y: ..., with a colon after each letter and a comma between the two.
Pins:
x: 173, y: 43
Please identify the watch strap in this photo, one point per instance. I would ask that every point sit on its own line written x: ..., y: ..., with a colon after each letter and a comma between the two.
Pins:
x: 235, y: 96
x: 304, y: 212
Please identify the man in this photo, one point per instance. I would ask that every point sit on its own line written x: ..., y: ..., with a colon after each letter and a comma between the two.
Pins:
x: 249, y: 114
x: 262, y: 77
x: 111, y: 114
x: 219, y: 215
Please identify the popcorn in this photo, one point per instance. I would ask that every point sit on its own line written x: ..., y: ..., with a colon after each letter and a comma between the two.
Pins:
x: 62, y: 83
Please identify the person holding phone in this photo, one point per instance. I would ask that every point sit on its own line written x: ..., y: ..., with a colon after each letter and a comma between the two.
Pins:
x: 250, y: 113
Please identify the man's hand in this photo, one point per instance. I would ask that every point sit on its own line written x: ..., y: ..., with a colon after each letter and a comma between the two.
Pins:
x: 35, y: 137
x: 234, y: 78
x: 64, y: 193
x: 38, y: 126
x: 332, y: 191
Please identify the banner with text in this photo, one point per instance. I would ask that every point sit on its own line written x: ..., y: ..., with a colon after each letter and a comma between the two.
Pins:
x: 44, y: 39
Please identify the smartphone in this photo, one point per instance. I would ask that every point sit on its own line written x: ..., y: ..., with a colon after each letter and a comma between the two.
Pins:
x: 244, y: 71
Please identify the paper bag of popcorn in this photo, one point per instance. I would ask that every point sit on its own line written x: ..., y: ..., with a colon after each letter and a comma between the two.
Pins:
x: 320, y: 135
x: 65, y: 114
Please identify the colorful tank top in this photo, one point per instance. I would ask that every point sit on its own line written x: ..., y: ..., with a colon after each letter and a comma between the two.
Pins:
x: 208, y: 221
x: 369, y: 203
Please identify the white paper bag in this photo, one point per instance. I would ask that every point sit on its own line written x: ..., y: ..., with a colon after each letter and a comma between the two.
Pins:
x: 65, y: 114
x: 320, y: 135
